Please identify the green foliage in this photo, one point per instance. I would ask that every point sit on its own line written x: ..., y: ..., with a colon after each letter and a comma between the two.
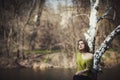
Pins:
x: 112, y: 49
x: 107, y: 54
x: 37, y: 51
x: 40, y: 51
x: 46, y: 60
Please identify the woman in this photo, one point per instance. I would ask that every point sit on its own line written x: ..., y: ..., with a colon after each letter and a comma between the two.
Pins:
x: 84, y: 62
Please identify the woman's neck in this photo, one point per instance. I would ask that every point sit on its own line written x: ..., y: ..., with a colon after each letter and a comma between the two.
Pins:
x: 82, y: 51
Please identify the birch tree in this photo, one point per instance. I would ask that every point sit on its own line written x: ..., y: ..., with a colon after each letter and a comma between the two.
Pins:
x: 104, y: 46
x: 91, y: 33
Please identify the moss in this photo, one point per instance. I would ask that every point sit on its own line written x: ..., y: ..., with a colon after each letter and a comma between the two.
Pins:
x: 40, y: 51
x: 46, y: 60
x: 112, y: 49
x: 37, y: 51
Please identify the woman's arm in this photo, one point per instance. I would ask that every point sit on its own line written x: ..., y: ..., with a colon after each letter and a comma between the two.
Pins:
x: 81, y: 72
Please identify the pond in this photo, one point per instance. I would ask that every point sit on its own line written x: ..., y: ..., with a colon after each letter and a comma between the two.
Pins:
x: 29, y: 74
x: 110, y: 74
x: 53, y: 74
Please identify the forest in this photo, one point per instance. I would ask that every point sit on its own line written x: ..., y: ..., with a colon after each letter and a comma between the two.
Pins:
x: 43, y: 34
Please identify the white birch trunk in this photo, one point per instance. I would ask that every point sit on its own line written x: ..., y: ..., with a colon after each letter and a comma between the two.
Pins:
x: 104, y: 46
x: 91, y: 33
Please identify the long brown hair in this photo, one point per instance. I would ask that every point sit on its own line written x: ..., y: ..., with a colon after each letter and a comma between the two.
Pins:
x: 87, y: 49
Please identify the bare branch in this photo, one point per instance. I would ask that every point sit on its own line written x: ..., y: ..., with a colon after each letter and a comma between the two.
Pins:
x: 92, y: 3
x: 105, y: 14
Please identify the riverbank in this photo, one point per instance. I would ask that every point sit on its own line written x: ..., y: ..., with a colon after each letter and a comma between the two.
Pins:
x: 54, y: 60
x: 38, y: 61
x: 54, y: 74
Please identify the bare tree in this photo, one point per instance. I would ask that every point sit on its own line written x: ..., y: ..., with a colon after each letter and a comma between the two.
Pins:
x: 16, y: 16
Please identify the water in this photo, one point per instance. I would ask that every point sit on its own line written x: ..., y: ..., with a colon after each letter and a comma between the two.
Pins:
x: 110, y: 74
x: 53, y: 74
x: 29, y: 74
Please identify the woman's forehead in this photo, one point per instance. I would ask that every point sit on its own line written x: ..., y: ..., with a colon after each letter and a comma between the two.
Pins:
x: 81, y: 41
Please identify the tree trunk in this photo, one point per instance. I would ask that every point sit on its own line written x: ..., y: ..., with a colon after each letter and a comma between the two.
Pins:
x: 91, y: 33
x: 104, y: 46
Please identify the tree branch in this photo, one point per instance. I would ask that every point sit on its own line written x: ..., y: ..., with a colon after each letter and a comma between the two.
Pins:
x: 104, y: 15
x: 92, y: 3
x: 104, y: 46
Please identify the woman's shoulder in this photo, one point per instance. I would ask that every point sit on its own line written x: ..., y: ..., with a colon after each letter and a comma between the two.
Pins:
x: 90, y: 55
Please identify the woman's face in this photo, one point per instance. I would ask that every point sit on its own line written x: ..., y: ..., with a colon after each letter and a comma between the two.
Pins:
x: 81, y: 45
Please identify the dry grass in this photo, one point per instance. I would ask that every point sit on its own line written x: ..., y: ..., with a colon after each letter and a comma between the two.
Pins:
x: 111, y: 58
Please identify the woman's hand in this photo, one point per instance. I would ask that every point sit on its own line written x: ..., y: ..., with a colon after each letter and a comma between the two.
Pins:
x: 81, y: 72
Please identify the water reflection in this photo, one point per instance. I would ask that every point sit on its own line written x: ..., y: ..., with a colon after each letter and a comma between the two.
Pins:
x: 53, y: 74
x: 29, y: 74
x: 110, y: 74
